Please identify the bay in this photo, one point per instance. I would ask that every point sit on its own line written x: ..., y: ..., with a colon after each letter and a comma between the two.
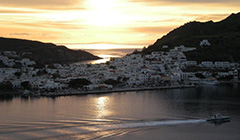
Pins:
x: 105, y: 51
x: 161, y: 114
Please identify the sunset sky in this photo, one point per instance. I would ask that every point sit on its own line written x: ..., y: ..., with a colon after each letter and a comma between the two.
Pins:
x: 105, y: 21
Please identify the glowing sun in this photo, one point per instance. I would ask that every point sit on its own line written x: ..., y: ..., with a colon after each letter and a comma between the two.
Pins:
x: 104, y: 13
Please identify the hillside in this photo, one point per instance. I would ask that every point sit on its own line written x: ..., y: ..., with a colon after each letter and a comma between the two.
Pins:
x: 224, y: 37
x: 45, y: 53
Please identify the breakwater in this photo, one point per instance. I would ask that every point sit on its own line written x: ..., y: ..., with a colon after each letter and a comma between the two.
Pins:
x: 76, y: 92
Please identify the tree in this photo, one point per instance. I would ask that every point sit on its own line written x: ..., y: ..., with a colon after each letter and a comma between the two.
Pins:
x: 76, y: 83
x: 25, y: 85
x: 55, y: 75
x: 112, y: 67
x: 112, y: 82
x: 51, y: 66
x: 215, y: 74
x: 136, y: 51
x: 125, y: 79
x: 6, y: 86
x: 199, y: 75
x: 39, y: 66
x: 144, y: 48
x: 18, y: 74
x: 17, y: 65
x: 226, y: 78
x: 41, y: 72
x: 1, y: 64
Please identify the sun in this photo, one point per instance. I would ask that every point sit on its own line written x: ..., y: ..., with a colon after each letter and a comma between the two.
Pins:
x: 104, y: 13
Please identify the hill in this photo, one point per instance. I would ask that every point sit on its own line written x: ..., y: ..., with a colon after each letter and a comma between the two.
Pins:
x: 44, y: 53
x: 224, y: 37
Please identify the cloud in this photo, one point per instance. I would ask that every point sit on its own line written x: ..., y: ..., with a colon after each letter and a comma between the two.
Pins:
x: 185, y: 1
x: 232, y: 3
x: 16, y: 12
x: 52, y: 25
x: 20, y: 34
x: 214, y: 17
x: 49, y: 25
x: 153, y: 30
x: 42, y: 4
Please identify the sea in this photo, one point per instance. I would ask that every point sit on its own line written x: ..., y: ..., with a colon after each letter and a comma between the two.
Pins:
x: 105, y: 51
x: 172, y: 114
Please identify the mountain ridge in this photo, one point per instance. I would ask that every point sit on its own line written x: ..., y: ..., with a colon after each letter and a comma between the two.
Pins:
x: 223, y: 35
x: 44, y: 53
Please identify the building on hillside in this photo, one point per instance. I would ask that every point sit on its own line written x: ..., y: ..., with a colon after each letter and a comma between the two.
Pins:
x: 207, y: 64
x: 222, y: 65
x: 205, y: 43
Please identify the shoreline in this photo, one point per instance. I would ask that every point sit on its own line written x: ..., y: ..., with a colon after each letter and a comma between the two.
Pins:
x: 229, y: 82
x: 10, y: 93
x: 72, y: 92
x: 75, y: 92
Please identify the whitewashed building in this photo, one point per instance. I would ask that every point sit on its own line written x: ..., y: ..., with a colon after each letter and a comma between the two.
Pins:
x: 207, y: 64
x: 205, y: 42
x: 222, y: 65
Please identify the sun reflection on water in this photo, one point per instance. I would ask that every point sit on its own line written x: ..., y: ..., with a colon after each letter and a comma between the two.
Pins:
x: 102, y: 104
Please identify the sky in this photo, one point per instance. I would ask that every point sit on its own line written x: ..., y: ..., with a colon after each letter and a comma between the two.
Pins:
x: 105, y: 21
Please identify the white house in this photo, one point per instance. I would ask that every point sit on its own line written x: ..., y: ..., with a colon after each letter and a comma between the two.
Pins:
x: 27, y: 62
x: 205, y: 43
x: 191, y: 63
x: 16, y: 84
x: 52, y: 85
x: 165, y: 46
x: 207, y: 64
x: 222, y: 65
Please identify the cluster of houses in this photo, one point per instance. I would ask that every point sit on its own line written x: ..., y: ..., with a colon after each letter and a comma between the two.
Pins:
x: 11, y: 58
x: 134, y: 70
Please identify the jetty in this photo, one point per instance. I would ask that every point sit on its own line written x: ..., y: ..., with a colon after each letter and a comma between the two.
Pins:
x: 76, y: 92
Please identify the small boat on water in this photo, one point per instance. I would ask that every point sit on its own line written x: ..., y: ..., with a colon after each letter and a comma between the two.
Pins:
x: 218, y: 118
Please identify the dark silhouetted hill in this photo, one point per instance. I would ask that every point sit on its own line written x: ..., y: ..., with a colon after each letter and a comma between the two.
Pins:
x: 224, y: 37
x: 45, y: 53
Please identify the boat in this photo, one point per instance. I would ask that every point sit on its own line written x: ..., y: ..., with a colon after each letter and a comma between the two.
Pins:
x: 218, y: 118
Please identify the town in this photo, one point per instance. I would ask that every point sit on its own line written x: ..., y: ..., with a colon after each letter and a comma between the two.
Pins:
x: 133, y: 71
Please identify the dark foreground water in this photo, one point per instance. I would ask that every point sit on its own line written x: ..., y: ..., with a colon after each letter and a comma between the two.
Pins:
x: 176, y: 114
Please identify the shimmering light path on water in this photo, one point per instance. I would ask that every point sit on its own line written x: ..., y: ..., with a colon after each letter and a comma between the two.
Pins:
x: 163, y: 114
x: 105, y: 51
x: 106, y: 54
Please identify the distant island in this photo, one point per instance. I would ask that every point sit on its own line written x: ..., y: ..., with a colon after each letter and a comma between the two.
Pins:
x: 44, y: 53
x: 221, y: 40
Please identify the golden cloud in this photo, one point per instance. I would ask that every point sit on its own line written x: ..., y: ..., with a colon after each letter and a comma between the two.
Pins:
x: 43, y: 4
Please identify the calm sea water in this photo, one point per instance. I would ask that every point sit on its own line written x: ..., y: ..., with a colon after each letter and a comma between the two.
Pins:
x: 107, y: 54
x: 105, y: 51
x: 174, y: 114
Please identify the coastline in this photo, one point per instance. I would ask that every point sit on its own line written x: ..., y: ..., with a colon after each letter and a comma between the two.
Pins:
x: 229, y: 82
x: 76, y: 92
x: 11, y: 93
x: 71, y: 92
